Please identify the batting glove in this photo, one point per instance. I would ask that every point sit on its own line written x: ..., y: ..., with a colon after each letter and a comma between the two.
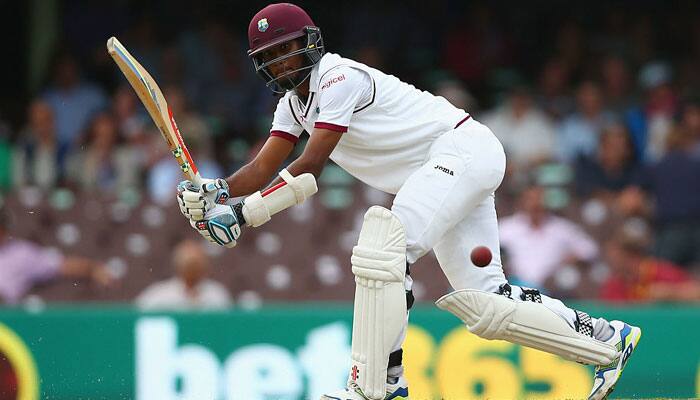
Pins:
x: 195, y: 201
x: 220, y: 226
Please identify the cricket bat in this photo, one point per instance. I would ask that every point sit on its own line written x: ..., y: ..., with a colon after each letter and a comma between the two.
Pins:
x: 152, y: 98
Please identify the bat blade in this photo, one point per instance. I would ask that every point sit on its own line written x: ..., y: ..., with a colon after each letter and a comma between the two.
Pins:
x: 153, y: 100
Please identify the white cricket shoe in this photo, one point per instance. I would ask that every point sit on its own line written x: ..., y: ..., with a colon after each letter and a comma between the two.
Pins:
x: 394, y: 391
x: 625, y: 339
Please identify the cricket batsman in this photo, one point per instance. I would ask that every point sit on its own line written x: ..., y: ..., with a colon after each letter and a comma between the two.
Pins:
x: 442, y: 165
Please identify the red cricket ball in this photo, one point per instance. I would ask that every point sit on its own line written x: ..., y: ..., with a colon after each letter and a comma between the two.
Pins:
x: 481, y: 256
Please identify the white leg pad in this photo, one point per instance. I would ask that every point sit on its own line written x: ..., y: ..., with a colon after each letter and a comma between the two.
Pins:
x: 379, y: 265
x: 493, y: 316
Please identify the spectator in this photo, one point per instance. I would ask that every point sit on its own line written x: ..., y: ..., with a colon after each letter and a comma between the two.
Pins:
x: 570, y: 43
x: 526, y: 133
x: 652, y: 124
x: 73, y: 101
x: 553, y: 96
x: 538, y: 242
x: 611, y: 170
x: 478, y: 35
x: 131, y: 118
x: 24, y: 264
x: 454, y: 92
x: 35, y: 157
x: 661, y: 105
x: 636, y: 276
x: 189, y: 288
x: 165, y: 173
x: 690, y: 120
x: 216, y: 77
x: 617, y: 86
x: 579, y: 133
x: 133, y: 123
x: 674, y: 185
x: 104, y: 164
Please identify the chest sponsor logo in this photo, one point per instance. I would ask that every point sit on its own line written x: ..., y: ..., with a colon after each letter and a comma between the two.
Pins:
x: 445, y: 170
x: 330, y: 82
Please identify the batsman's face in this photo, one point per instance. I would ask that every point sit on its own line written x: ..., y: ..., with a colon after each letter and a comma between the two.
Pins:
x: 287, y: 64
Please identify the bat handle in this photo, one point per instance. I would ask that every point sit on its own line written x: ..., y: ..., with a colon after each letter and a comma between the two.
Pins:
x: 197, y: 180
x: 238, y: 209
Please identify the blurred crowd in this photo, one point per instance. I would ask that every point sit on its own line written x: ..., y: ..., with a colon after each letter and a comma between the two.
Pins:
x: 599, y: 116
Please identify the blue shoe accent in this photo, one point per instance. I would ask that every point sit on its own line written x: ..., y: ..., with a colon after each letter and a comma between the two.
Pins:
x: 625, y: 332
x: 398, y: 393
x: 628, y: 347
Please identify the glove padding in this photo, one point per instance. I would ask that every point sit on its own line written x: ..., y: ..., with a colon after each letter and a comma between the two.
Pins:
x: 219, y: 226
x: 196, y: 201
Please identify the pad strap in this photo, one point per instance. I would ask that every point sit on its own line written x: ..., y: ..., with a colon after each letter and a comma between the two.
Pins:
x: 299, y: 193
x: 530, y: 294
x: 583, y: 323
x: 395, y: 358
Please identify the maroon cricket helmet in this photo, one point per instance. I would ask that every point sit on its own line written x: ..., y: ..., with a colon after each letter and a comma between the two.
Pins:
x: 274, y: 25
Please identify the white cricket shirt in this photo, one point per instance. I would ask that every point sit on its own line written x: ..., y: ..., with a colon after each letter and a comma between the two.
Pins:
x: 387, y: 125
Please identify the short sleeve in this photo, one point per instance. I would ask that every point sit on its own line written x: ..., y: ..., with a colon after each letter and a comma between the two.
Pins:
x: 341, y: 91
x: 284, y: 123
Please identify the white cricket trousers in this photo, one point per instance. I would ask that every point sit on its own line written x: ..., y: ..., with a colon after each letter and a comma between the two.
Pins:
x: 448, y: 205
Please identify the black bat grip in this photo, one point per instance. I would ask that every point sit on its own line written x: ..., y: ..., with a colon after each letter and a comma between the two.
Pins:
x: 238, y: 209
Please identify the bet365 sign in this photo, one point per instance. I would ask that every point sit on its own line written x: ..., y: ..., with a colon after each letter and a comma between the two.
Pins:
x: 460, y: 366
x: 301, y: 352
x: 166, y: 369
